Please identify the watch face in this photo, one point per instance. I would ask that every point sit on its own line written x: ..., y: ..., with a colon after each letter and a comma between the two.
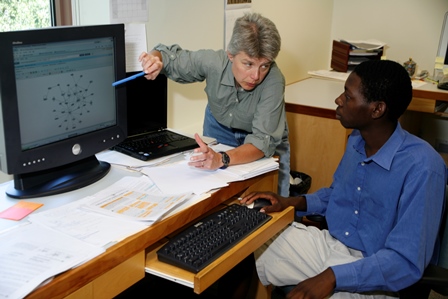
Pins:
x: 225, y: 159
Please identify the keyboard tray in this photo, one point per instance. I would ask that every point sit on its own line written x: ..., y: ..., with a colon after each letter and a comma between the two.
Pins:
x: 203, y: 242
x: 200, y: 281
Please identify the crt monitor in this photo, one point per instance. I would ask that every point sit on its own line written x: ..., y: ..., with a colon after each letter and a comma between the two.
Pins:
x: 58, y: 107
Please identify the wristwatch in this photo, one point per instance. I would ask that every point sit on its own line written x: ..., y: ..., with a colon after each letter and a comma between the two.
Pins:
x: 225, y: 160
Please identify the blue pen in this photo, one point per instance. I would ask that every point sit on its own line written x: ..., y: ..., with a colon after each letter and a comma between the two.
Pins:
x: 128, y: 78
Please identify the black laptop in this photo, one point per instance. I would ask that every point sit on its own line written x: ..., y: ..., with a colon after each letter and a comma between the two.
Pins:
x: 148, y: 136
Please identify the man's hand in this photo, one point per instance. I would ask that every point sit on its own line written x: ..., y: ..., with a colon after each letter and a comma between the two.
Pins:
x: 278, y: 203
x: 318, y: 287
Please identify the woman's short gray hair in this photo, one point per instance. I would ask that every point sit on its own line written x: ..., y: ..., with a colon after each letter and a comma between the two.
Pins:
x: 256, y: 36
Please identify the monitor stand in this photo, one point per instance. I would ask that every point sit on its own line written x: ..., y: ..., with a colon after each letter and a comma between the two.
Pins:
x: 58, y: 180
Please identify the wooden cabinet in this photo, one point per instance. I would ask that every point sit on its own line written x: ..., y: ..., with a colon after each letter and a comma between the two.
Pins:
x: 317, y: 146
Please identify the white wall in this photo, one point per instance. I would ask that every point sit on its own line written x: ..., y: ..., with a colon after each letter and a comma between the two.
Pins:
x: 410, y: 28
x: 305, y: 29
x: 193, y: 24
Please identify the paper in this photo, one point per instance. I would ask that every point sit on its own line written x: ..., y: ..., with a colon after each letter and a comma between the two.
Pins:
x: 30, y: 254
x: 135, y: 36
x: 20, y: 210
x: 128, y: 11
x: 330, y: 75
x: 87, y: 226
x: 180, y: 177
x: 369, y: 44
x: 131, y: 198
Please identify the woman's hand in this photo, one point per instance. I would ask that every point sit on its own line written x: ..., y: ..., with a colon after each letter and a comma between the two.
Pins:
x: 204, y: 157
x: 151, y: 63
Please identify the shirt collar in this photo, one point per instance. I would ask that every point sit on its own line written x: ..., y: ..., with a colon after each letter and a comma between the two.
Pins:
x: 386, y: 154
x: 228, y: 78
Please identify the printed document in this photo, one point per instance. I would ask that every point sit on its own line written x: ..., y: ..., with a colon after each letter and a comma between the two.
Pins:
x: 130, y: 198
x: 30, y: 254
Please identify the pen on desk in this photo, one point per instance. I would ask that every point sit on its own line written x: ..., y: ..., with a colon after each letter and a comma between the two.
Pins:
x: 128, y: 78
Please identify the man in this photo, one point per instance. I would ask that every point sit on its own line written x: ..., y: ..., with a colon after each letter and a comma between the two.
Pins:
x: 383, y: 208
x: 245, y: 90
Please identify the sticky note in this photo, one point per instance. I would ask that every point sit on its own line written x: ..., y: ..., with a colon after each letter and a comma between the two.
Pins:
x: 439, y: 63
x: 20, y: 210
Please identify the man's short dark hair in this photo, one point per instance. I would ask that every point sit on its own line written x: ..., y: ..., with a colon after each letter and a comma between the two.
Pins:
x: 387, y: 81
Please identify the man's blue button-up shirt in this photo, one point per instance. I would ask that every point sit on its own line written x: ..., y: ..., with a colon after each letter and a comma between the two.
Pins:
x: 388, y: 206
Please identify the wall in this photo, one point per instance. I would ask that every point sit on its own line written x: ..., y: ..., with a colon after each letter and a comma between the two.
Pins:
x: 305, y: 28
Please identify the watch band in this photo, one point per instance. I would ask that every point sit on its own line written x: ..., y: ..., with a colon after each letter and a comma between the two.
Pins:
x: 225, y: 160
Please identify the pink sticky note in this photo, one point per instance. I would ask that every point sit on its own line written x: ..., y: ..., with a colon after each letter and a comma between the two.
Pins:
x: 20, y: 210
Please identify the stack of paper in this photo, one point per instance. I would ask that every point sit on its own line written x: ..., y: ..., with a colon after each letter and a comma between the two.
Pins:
x: 31, y: 254
x: 180, y: 178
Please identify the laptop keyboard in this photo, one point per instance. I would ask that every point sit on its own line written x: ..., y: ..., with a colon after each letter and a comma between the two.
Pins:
x: 156, y: 140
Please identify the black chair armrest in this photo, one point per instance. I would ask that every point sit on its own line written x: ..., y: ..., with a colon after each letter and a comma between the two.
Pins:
x: 435, y: 275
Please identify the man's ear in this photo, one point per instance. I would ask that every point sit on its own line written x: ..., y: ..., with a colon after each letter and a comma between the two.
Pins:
x: 230, y: 56
x: 379, y: 109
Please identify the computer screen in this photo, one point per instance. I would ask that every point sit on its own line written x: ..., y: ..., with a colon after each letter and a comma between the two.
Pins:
x: 443, y: 42
x: 58, y: 106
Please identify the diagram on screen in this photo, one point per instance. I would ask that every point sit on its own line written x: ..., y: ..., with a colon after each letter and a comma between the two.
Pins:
x: 72, y: 100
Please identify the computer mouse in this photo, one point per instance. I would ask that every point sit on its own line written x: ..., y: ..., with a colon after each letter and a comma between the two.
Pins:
x: 259, y: 203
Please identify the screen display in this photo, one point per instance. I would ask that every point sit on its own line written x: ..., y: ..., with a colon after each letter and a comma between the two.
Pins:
x: 64, y: 89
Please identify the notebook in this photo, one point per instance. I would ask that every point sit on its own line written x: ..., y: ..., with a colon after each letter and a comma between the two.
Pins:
x: 148, y: 136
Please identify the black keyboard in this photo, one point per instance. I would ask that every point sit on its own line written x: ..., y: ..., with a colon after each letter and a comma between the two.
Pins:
x: 203, y: 242
x: 443, y: 85
x: 155, y: 140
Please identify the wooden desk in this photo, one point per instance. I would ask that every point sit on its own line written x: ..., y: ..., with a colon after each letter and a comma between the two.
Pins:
x: 123, y: 264
x: 318, y: 139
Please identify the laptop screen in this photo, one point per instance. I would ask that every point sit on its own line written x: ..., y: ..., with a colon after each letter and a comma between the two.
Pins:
x: 147, y: 104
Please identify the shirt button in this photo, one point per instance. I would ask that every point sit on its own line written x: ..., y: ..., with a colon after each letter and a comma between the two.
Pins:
x: 230, y: 114
x: 356, y: 212
x: 359, y: 188
x: 362, y: 163
x: 236, y: 100
x: 347, y: 233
